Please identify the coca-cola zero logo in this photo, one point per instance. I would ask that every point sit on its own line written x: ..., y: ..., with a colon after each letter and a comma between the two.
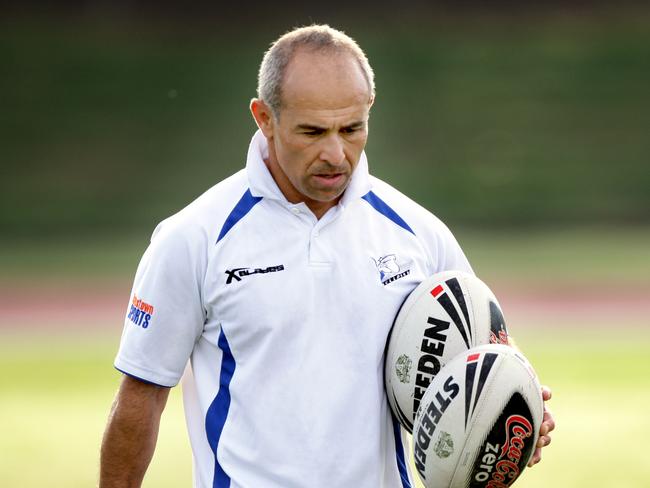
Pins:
x: 507, y: 447
x: 507, y: 470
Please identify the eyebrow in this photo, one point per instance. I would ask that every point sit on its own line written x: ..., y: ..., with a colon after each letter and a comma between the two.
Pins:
x: 310, y: 127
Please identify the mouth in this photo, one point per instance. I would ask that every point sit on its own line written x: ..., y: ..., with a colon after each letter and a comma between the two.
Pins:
x: 329, y: 179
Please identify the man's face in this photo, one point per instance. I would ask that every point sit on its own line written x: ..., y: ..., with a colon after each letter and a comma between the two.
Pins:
x: 322, y: 128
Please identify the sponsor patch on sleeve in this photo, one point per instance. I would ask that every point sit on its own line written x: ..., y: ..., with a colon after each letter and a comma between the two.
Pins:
x: 140, y: 312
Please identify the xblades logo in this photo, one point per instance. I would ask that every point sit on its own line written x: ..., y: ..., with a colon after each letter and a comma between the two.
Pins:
x: 237, y: 274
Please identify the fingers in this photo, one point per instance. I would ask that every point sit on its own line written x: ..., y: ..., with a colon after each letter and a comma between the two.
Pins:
x: 537, y: 457
x: 548, y: 422
x: 543, y: 430
x: 543, y: 441
x: 548, y: 425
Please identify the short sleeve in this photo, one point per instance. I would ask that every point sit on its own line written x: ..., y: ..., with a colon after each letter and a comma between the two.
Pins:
x: 450, y: 254
x: 165, y: 315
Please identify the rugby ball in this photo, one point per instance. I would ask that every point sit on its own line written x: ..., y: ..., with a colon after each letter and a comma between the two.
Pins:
x: 479, y: 420
x: 443, y: 316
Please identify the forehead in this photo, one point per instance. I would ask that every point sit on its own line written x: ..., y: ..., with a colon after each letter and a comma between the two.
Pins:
x: 324, y: 81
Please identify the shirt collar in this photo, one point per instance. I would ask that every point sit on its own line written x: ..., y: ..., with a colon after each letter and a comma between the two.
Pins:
x: 260, y: 180
x: 262, y: 183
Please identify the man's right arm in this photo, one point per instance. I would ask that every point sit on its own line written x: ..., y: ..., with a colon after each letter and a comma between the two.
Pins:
x: 131, y: 433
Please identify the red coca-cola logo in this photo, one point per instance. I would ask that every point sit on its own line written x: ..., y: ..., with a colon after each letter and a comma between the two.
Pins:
x: 506, y: 471
x: 500, y: 338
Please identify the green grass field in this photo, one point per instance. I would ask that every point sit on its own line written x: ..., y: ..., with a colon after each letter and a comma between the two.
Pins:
x: 56, y: 393
x: 57, y: 385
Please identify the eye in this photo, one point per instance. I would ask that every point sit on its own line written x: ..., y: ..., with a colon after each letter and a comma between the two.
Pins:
x: 351, y: 130
x: 313, y: 132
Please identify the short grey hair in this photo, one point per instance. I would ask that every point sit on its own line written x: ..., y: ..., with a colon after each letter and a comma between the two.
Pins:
x: 315, y: 37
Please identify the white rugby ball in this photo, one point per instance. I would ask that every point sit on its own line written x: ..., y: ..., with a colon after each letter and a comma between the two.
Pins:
x: 478, y: 423
x: 445, y: 315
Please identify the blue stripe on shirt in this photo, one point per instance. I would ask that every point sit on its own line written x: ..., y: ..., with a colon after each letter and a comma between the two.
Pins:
x: 244, y: 205
x: 399, y: 454
x: 217, y: 414
x: 383, y: 208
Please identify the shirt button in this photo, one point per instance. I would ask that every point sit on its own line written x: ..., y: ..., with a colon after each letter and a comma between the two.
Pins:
x: 295, y: 210
x: 316, y: 233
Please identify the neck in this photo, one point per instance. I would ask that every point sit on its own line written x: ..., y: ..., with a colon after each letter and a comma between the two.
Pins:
x: 290, y: 192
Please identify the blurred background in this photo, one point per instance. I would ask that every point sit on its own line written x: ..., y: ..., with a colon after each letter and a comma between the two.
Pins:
x: 525, y: 127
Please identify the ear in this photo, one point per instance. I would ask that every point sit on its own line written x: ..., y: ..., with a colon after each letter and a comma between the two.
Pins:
x: 263, y: 117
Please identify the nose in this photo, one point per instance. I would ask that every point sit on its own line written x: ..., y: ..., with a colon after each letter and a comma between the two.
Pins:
x: 332, y: 150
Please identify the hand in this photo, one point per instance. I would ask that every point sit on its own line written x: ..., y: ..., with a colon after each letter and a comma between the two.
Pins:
x: 548, y: 424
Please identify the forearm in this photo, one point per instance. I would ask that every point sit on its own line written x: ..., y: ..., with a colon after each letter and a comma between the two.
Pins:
x: 131, y: 434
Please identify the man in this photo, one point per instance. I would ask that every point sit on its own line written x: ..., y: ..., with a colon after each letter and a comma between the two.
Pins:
x: 270, y: 285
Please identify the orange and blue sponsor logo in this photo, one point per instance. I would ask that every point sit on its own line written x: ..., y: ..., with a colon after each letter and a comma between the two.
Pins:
x: 140, y: 312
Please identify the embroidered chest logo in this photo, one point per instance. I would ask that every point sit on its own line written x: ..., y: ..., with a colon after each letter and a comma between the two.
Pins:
x: 389, y: 269
x: 237, y: 274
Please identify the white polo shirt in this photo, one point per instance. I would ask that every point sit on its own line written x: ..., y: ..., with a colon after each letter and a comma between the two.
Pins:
x: 284, y: 319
